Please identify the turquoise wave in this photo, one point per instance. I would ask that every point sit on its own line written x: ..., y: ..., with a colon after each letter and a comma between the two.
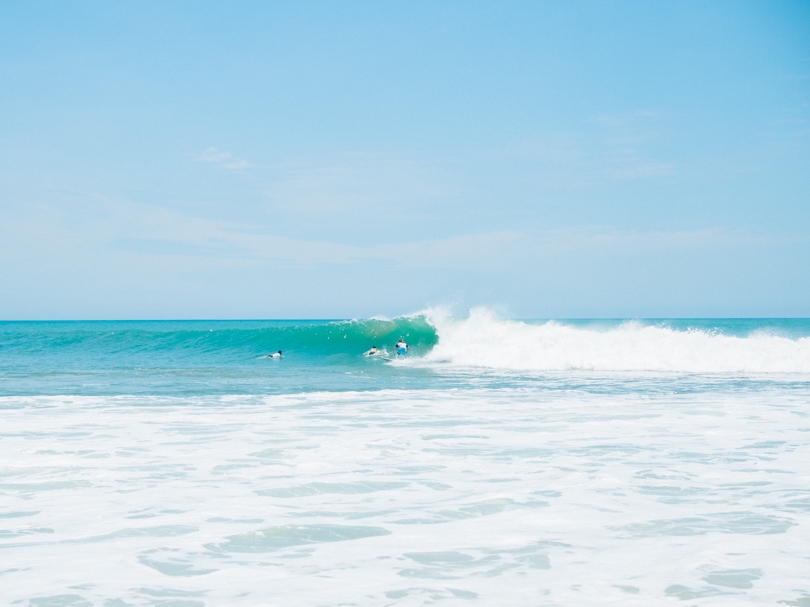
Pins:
x: 229, y: 357
x: 220, y: 339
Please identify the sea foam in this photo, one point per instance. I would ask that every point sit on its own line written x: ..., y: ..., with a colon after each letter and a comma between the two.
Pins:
x: 407, y: 498
x: 484, y: 340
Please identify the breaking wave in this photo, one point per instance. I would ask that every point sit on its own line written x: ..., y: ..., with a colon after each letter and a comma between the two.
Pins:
x: 483, y: 340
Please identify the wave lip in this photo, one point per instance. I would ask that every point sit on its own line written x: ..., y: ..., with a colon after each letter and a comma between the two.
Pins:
x: 482, y: 340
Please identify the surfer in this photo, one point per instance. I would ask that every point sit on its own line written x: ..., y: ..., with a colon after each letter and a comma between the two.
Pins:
x: 372, y: 351
x: 401, y: 349
x: 274, y: 355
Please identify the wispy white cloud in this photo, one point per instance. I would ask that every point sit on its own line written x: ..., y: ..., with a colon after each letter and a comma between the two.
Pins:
x: 373, y: 184
x: 222, y: 159
x: 607, y: 239
x: 615, y: 147
x: 642, y: 169
x: 166, y: 232
x: 157, y: 231
x: 628, y: 145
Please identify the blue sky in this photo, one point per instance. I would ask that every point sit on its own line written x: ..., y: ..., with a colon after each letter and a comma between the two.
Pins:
x: 349, y: 159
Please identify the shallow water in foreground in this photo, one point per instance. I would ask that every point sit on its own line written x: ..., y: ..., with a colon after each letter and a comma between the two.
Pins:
x: 464, y: 486
x: 407, y: 497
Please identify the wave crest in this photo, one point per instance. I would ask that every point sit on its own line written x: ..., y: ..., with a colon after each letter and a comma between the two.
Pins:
x: 483, y: 340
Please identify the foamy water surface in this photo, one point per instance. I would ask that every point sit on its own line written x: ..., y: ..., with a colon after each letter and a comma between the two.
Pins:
x: 438, y: 480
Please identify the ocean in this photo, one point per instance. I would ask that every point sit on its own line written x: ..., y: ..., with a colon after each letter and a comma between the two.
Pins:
x: 502, y: 462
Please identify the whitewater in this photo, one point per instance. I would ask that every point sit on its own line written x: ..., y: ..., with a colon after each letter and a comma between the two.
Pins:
x: 503, y: 462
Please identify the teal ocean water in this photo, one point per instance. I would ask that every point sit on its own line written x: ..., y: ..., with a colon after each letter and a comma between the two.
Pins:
x: 227, y: 357
x: 627, y: 462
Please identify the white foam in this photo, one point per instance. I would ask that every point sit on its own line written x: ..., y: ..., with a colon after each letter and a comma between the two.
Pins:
x: 514, y: 497
x: 483, y: 340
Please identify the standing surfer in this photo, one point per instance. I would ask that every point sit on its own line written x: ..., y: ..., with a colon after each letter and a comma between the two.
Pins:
x: 401, y: 349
